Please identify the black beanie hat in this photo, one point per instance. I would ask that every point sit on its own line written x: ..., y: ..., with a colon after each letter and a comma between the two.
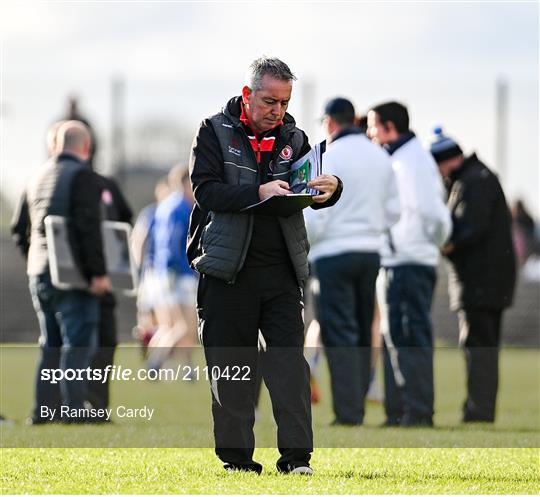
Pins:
x: 443, y: 147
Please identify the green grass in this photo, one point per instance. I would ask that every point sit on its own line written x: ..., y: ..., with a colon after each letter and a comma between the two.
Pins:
x: 338, y: 471
x: 502, y: 458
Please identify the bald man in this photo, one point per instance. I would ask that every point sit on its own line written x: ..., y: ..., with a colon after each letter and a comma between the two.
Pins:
x: 115, y: 208
x: 68, y: 319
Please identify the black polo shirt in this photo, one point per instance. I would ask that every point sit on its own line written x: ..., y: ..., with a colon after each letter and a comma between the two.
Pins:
x: 268, y: 246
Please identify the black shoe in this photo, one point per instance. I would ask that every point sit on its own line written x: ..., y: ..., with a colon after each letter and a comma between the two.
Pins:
x: 477, y: 419
x: 472, y: 418
x: 412, y: 422
x: 253, y: 467
x: 338, y: 422
x: 295, y: 469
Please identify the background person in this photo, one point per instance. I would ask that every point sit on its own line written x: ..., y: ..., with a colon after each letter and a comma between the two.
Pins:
x: 175, y: 282
x: 345, y: 242
x: 482, y: 270
x: 524, y: 231
x: 68, y: 319
x: 143, y: 254
x: 73, y: 113
x: 410, y: 260
x: 114, y: 207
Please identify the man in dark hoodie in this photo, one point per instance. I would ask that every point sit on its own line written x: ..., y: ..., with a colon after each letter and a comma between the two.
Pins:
x: 252, y: 266
x: 481, y: 268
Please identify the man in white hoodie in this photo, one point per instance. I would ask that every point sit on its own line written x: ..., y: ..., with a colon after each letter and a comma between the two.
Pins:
x: 345, y: 244
x: 410, y: 260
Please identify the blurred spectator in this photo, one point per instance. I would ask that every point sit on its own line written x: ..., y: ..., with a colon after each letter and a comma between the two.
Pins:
x: 524, y: 232
x: 345, y: 242
x: 361, y: 124
x: 73, y: 113
x: 141, y: 234
x: 481, y: 270
x: 114, y: 208
x: 143, y: 253
x: 410, y: 259
x: 176, y: 282
x: 68, y: 319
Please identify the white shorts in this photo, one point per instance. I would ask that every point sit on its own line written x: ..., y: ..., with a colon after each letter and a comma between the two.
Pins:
x: 173, y: 289
x: 147, y: 292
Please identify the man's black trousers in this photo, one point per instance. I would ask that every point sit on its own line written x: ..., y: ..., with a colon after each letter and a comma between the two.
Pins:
x: 479, y: 336
x: 345, y: 308
x: 408, y: 351
x: 230, y: 316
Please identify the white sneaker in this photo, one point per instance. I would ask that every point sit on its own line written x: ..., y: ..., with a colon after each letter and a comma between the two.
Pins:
x: 302, y: 470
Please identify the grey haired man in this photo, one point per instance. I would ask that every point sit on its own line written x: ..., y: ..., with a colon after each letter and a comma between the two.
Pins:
x: 253, y: 267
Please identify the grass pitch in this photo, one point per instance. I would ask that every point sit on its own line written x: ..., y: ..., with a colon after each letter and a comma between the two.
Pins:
x: 338, y: 471
x: 503, y: 458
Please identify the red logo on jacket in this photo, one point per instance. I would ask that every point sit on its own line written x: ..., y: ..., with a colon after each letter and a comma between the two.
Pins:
x: 286, y: 153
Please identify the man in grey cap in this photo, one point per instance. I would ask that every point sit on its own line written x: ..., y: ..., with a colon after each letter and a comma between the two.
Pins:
x: 481, y: 268
x: 345, y: 243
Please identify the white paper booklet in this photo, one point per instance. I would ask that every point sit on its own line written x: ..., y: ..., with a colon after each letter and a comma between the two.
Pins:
x: 306, y: 169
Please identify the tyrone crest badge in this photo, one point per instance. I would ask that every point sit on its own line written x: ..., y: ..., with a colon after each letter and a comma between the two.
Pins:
x: 286, y: 153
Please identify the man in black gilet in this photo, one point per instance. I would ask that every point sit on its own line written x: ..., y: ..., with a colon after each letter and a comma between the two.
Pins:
x: 68, y: 319
x: 114, y: 207
x: 253, y: 267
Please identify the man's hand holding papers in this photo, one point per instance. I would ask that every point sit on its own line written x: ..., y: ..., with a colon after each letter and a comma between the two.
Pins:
x: 326, y: 184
